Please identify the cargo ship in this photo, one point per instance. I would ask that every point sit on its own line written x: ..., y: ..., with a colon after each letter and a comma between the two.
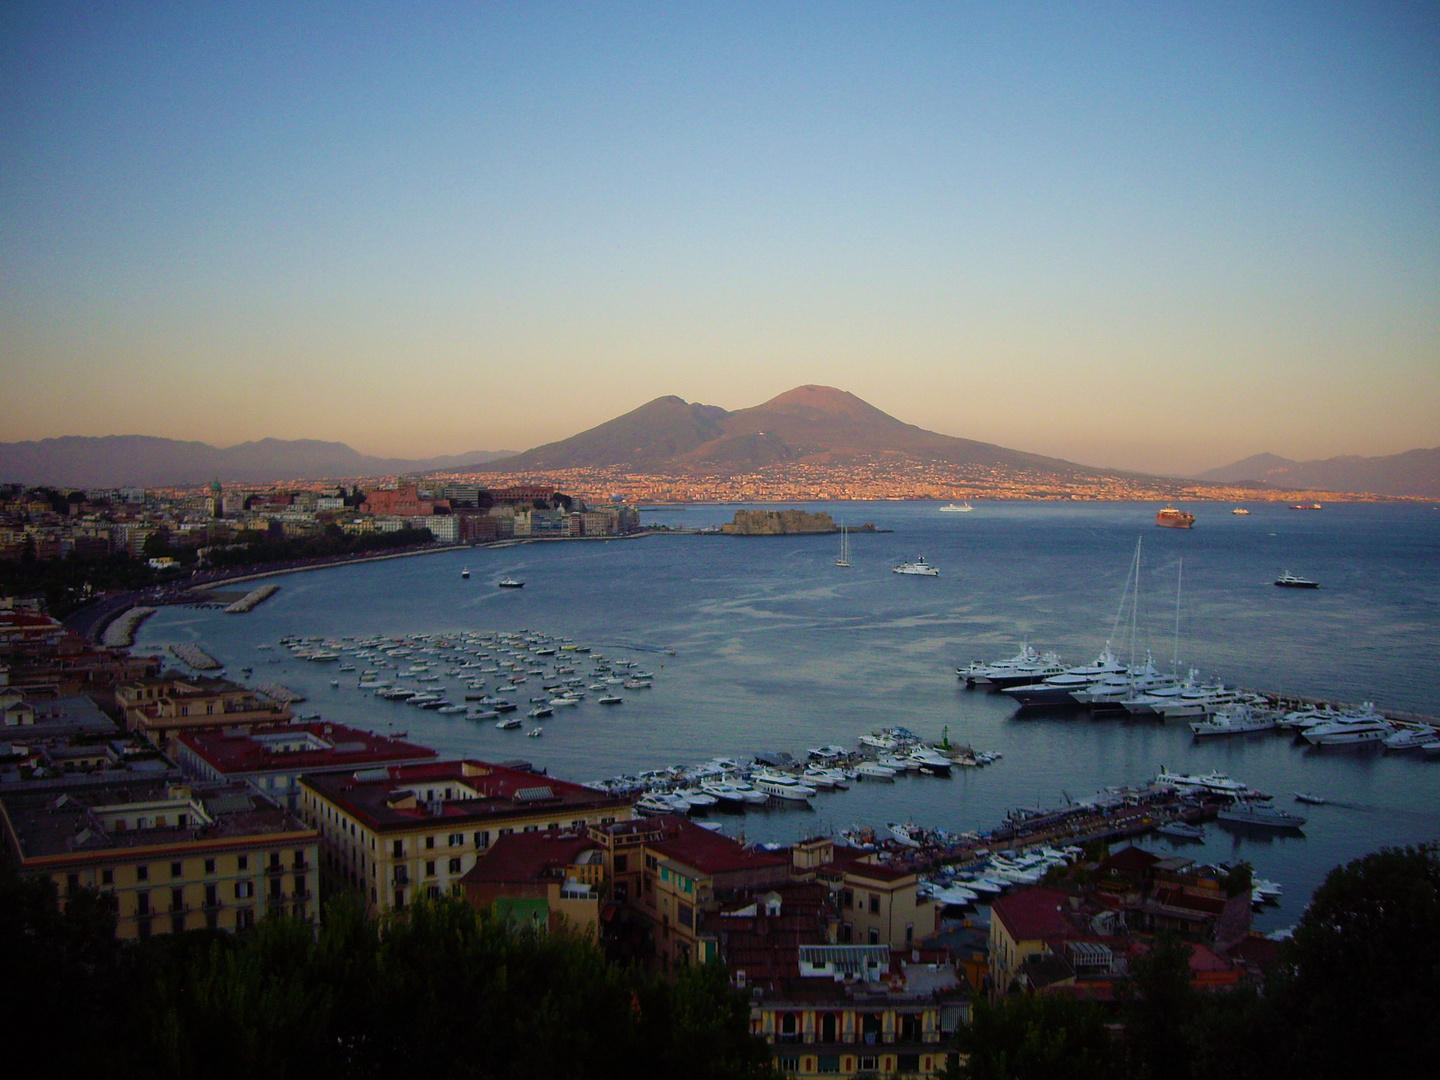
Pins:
x: 1171, y: 518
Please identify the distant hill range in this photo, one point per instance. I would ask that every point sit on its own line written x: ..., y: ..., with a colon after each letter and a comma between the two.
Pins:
x: 144, y: 461
x: 810, y: 424
x: 1415, y: 472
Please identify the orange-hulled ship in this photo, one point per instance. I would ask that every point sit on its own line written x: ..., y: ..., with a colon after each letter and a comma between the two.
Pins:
x: 1174, y: 519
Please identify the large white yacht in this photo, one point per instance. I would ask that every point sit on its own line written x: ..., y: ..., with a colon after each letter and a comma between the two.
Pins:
x: 918, y: 568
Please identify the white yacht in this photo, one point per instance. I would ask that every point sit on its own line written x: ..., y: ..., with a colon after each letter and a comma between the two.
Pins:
x: 873, y: 770
x: 782, y: 786
x: 1237, y: 721
x: 1350, y: 730
x: 1412, y: 738
x: 951, y: 508
x: 1260, y: 812
x: 918, y: 568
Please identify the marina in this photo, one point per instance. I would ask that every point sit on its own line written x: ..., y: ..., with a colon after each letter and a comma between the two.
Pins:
x: 765, y: 646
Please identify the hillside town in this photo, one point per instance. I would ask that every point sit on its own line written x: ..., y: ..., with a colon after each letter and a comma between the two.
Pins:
x: 200, y: 525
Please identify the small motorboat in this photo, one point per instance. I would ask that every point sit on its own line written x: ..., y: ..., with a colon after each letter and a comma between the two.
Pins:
x: 465, y: 574
x: 611, y: 699
x: 534, y: 732
x: 1312, y: 799
x: 1288, y: 580
x: 510, y: 583
x: 508, y: 723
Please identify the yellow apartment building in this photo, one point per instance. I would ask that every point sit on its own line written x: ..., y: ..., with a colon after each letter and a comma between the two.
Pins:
x: 174, y: 856
x: 401, y: 832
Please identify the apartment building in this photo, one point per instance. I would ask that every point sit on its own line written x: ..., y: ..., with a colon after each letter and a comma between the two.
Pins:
x: 176, y: 856
x: 402, y: 832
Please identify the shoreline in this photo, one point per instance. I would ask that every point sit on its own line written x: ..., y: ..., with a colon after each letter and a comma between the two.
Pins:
x: 258, y: 575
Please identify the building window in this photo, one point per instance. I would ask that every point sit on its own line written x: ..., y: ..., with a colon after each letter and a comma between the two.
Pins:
x: 685, y: 915
x: 142, y: 872
x: 399, y: 899
x: 212, y: 920
x: 482, y: 841
x: 397, y: 849
x: 299, y: 860
x: 177, y: 869
x: 456, y: 839
x: 209, y: 866
x: 299, y: 884
x: 242, y: 862
x: 177, y: 924
x: 142, y: 903
x: 874, y: 936
x: 72, y: 883
x: 433, y: 892
x: 244, y: 890
x: 789, y: 1030
x: 454, y: 866
x: 212, y: 896
x: 622, y: 863
x: 429, y: 843
x: 430, y: 868
x: 107, y: 877
x: 244, y: 918
x: 177, y: 899
x: 874, y: 904
x: 909, y: 933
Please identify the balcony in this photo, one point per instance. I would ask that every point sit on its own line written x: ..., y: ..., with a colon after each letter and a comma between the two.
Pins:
x: 401, y: 876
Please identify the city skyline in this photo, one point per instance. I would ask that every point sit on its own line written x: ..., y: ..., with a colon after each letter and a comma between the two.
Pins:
x: 1159, y: 240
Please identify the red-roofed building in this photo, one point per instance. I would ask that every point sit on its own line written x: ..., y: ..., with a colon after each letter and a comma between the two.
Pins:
x: 879, y: 904
x: 668, y: 870
x: 565, y: 871
x: 272, y: 758
x: 162, y: 708
x: 401, y: 831
x: 1030, y: 922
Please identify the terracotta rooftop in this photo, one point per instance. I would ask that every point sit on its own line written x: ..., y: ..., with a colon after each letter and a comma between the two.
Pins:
x: 709, y: 852
x: 1034, y: 914
x: 307, y: 747
x: 529, y: 857
x: 454, y: 792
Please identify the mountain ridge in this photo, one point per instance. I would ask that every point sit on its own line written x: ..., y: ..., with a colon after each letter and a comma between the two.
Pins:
x: 80, y: 461
x: 1410, y: 473
x: 809, y: 423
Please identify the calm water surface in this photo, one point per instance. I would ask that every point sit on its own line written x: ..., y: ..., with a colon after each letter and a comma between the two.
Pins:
x: 778, y: 648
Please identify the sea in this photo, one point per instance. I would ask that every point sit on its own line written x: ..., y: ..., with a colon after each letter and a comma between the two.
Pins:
x: 764, y: 643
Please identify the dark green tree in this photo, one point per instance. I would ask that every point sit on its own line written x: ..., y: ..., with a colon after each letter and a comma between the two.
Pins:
x: 1160, y: 1004
x: 1359, y: 983
x: 1037, y: 1037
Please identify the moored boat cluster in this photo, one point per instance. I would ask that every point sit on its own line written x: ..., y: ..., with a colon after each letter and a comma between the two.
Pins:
x: 778, y: 777
x: 486, y: 670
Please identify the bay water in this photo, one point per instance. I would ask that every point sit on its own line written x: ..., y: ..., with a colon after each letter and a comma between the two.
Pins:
x: 763, y: 643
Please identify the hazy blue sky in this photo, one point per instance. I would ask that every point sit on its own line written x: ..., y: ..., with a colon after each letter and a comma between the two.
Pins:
x: 1153, y: 235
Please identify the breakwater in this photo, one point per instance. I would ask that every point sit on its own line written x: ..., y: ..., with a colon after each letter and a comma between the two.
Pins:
x: 120, y: 634
x: 195, y: 656
x: 252, y: 599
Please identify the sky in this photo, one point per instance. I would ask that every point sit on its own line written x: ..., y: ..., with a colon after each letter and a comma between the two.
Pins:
x: 1157, y: 236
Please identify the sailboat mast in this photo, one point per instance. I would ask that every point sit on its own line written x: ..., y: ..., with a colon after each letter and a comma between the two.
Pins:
x: 1179, y: 575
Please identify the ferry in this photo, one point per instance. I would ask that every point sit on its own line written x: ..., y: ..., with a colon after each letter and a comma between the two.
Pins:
x: 951, y: 508
x: 918, y: 568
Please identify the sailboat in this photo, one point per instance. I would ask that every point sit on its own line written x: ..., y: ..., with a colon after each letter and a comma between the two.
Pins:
x: 844, y: 559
